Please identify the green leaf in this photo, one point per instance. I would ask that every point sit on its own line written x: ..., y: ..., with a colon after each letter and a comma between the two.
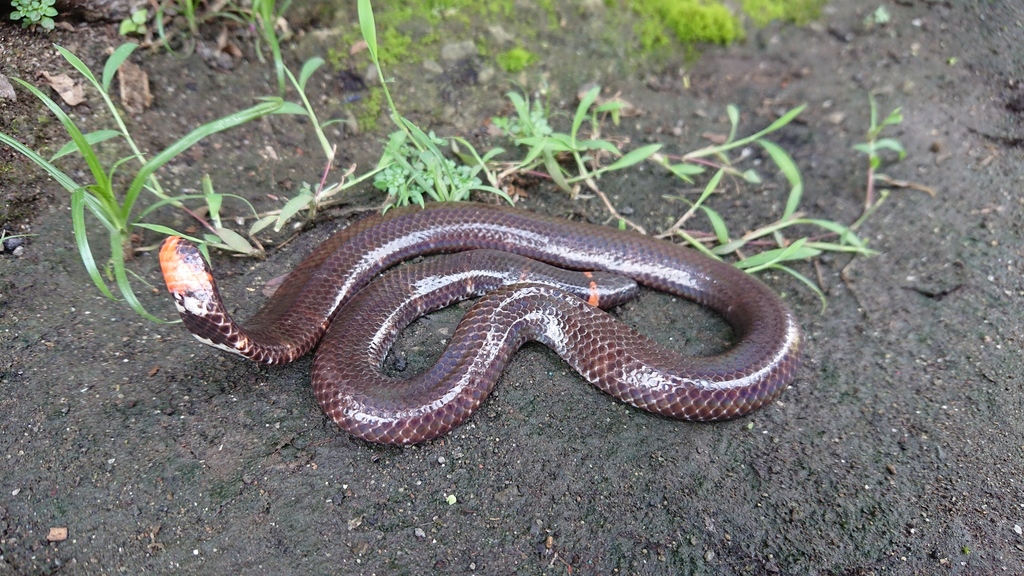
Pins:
x: 768, y: 258
x: 164, y: 230
x: 82, y: 241
x: 63, y: 179
x: 700, y: 247
x: 92, y: 138
x: 95, y: 167
x: 261, y: 224
x: 368, y: 28
x: 291, y: 108
x: 235, y: 241
x: 717, y: 224
x: 116, y: 59
x: 894, y: 117
x: 78, y: 65
x: 187, y: 141
x: 734, y: 121
x: 121, y: 277
x: 891, y: 144
x: 292, y: 207
x: 308, y: 69
x: 866, y: 148
x: 582, y: 109
x: 633, y: 157
x: 792, y: 173
x: 807, y: 282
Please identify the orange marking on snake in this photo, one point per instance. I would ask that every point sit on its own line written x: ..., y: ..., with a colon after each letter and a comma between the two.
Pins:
x: 179, y: 275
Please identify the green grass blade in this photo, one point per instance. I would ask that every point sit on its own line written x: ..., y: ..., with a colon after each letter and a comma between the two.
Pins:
x: 291, y: 208
x: 734, y: 121
x: 63, y: 179
x: 92, y: 138
x: 187, y: 141
x: 121, y: 277
x: 79, y: 65
x: 790, y: 171
x: 782, y: 121
x: 582, y: 109
x: 555, y: 171
x: 95, y: 167
x: 768, y: 258
x: 164, y: 230
x: 807, y: 282
x: 82, y: 241
x: 700, y: 247
x: 634, y: 157
x: 114, y: 62
x: 368, y: 27
x: 717, y: 224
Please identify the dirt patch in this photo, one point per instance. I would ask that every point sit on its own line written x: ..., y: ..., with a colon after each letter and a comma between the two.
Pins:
x: 896, y: 451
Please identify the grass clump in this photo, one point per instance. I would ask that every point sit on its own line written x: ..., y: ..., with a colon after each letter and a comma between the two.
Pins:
x: 800, y: 12
x: 516, y: 59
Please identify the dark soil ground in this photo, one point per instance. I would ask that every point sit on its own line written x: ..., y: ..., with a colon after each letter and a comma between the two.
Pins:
x: 897, y: 450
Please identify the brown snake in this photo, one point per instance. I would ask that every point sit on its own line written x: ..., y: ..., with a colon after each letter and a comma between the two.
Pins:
x: 616, y: 359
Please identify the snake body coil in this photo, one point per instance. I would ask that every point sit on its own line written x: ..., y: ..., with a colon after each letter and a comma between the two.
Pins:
x: 621, y: 362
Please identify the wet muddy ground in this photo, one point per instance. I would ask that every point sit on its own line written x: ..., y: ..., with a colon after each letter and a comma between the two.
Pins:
x: 897, y: 450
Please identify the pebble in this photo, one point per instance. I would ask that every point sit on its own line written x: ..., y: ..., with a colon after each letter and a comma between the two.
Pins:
x: 458, y: 50
x: 12, y: 243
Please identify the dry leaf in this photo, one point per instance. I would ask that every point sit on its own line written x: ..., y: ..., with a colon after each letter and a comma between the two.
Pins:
x: 69, y: 91
x: 134, y: 83
x: 715, y: 138
x: 358, y: 47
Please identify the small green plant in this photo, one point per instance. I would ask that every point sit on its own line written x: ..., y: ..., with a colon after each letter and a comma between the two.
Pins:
x: 773, y: 249
x: 872, y: 147
x: 134, y: 24
x: 34, y: 12
x: 412, y: 164
x: 102, y: 196
x: 880, y: 17
x: 546, y: 147
x: 308, y: 199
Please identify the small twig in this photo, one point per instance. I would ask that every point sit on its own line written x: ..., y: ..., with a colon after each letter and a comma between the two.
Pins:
x: 906, y: 184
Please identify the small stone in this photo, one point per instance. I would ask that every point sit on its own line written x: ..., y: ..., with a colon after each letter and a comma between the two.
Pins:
x: 12, y: 243
x: 1018, y: 530
x: 458, y: 50
x: 419, y: 533
x: 6, y: 90
x: 500, y: 35
x: 432, y: 67
x: 485, y: 75
x: 57, y: 534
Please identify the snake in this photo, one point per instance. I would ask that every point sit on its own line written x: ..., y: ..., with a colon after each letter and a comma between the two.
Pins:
x: 348, y: 382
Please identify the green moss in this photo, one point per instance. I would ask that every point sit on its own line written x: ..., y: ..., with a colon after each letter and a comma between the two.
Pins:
x: 368, y: 110
x: 798, y: 11
x: 691, y: 21
x: 393, y: 45
x: 516, y: 59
